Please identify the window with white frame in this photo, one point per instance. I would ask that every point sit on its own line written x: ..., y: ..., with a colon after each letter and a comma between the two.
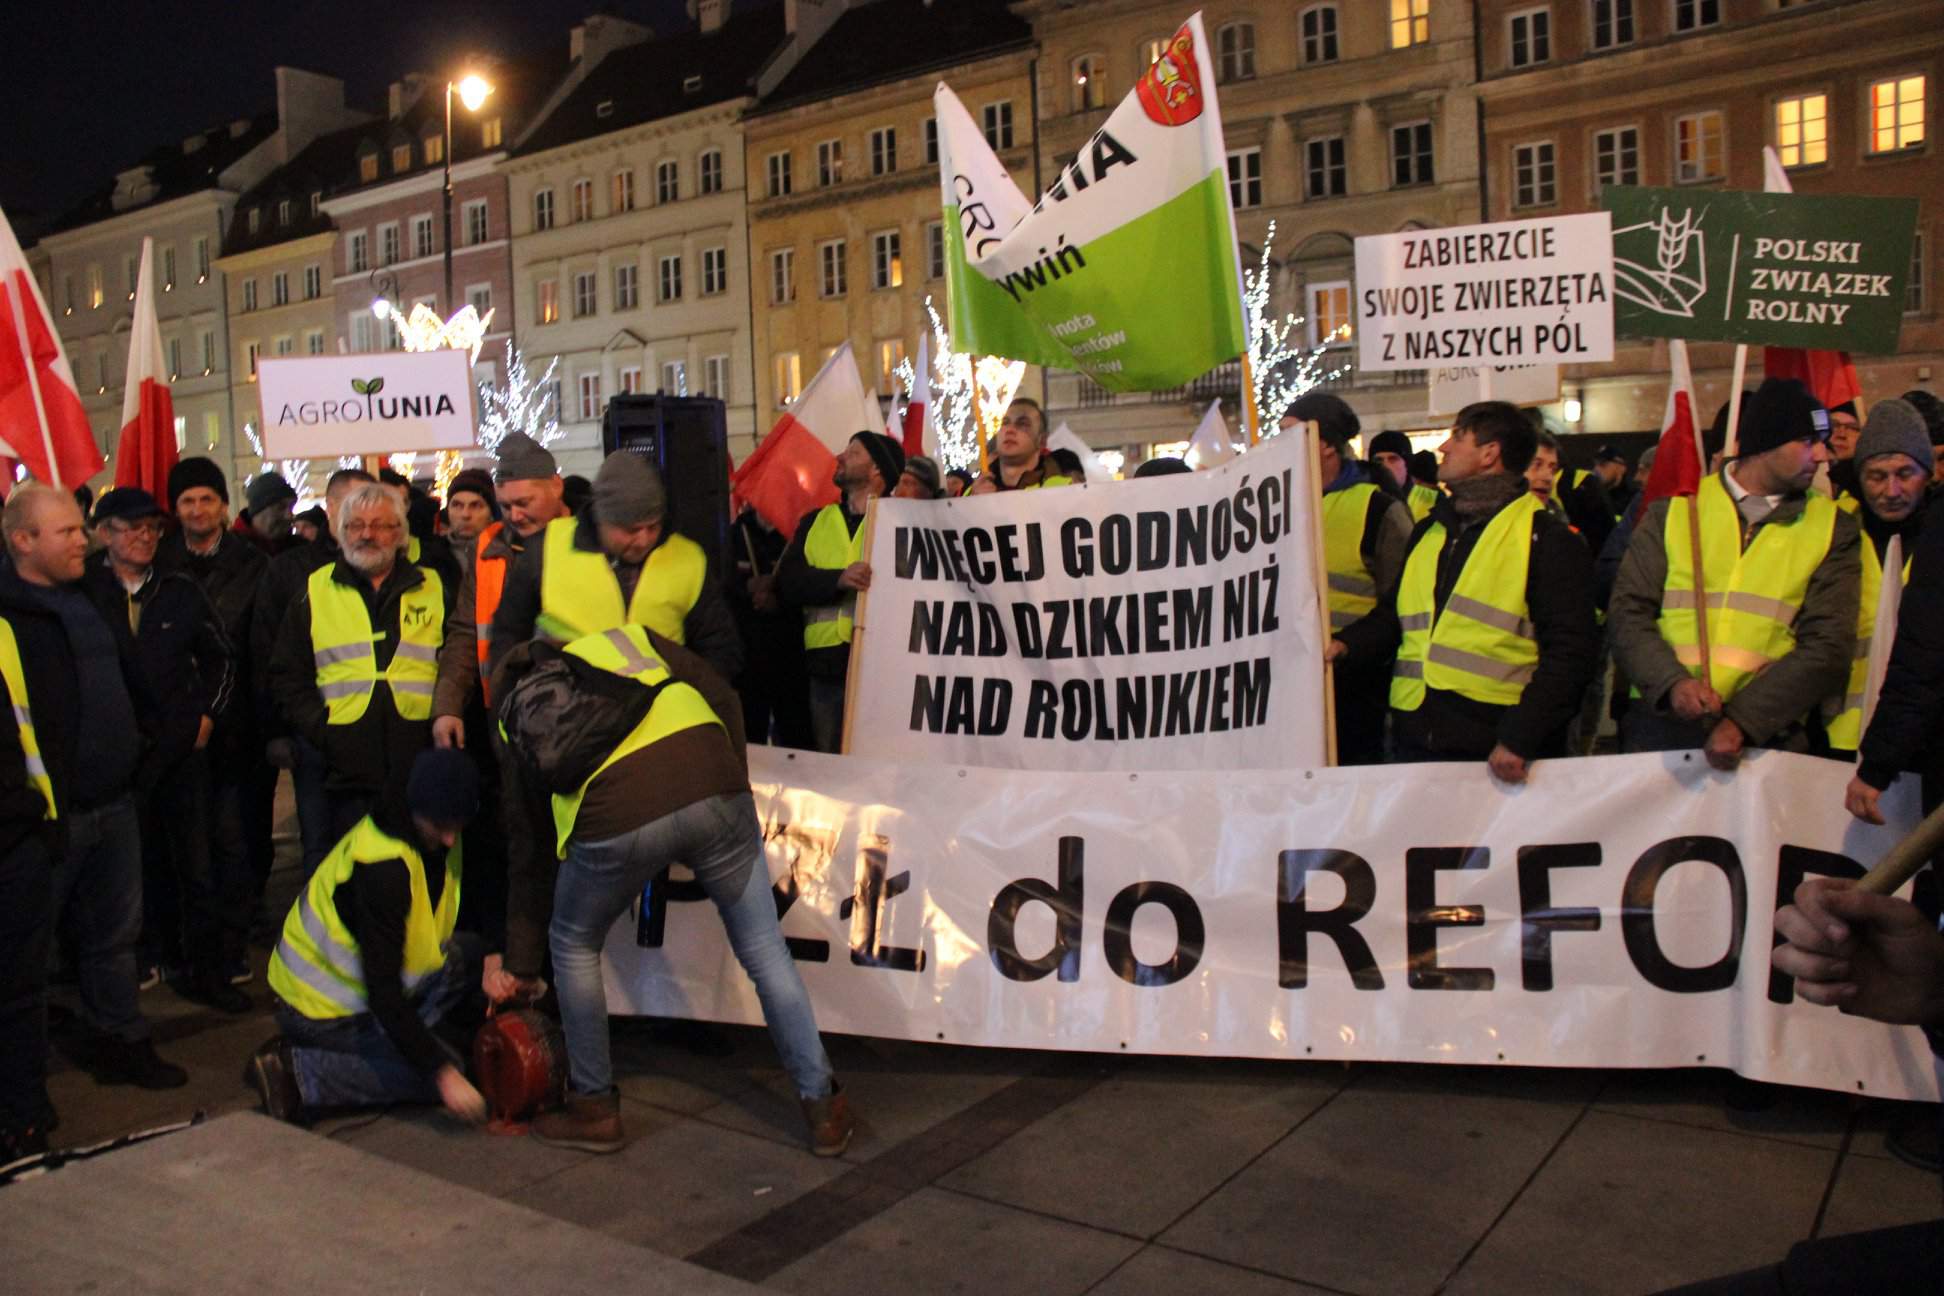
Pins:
x: 1535, y: 181
x: 832, y: 280
x: 1245, y: 178
x: 668, y: 181
x: 249, y: 294
x: 999, y: 124
x: 671, y: 278
x: 422, y: 245
x: 708, y: 171
x: 546, y: 302
x: 475, y: 222
x: 590, y: 396
x: 789, y: 377
x: 1613, y: 23
x: 1531, y: 37
x: 283, y: 211
x: 251, y: 350
x: 314, y: 342
x: 581, y: 200
x: 935, y: 249
x: 782, y: 276
x: 1616, y: 158
x: 1235, y: 51
x: 1152, y: 49
x: 1700, y: 147
x: 674, y: 377
x: 284, y: 345
x: 629, y: 380
x: 1896, y: 114
x: 884, y: 150
x: 357, y: 252
x: 621, y: 191
x: 830, y: 162
x: 1330, y: 320
x: 1410, y: 23
x: 715, y: 376
x: 1802, y: 130
x: 627, y: 286
x: 388, y: 244
x: 1319, y: 24
x: 715, y: 271
x: 931, y: 141
x: 1325, y: 174
x: 778, y: 167
x: 480, y: 298
x: 890, y: 354
x: 280, y: 288
x: 1411, y: 154
x: 1693, y: 15
x: 543, y: 209
x: 1087, y: 77
x: 887, y: 259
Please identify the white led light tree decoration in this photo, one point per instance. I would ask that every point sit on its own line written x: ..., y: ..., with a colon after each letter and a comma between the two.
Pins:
x: 1283, y: 372
x: 952, y: 394
x: 520, y: 405
x: 295, y: 471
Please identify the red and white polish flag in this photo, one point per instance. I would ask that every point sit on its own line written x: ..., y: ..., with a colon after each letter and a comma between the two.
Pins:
x: 148, y: 440
x: 42, y: 421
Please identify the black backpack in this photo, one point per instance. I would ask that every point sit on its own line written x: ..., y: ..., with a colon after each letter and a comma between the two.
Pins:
x: 565, y: 716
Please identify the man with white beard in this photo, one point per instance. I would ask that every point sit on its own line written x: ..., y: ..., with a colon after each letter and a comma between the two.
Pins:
x: 356, y: 658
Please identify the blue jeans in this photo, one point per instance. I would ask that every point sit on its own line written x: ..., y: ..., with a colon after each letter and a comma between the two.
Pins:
x: 351, y: 1062
x: 313, y: 805
x: 716, y: 837
x: 98, y: 882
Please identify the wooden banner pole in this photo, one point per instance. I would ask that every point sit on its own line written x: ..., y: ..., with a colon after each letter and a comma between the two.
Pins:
x: 857, y: 630
x: 1314, y: 504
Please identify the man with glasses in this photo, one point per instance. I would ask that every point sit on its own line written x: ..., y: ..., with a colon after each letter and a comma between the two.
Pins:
x: 358, y: 654
x: 196, y: 899
x: 1781, y: 574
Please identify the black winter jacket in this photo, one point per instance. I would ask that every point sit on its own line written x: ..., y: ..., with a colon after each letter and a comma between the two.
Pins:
x: 180, y: 651
x: 1904, y: 731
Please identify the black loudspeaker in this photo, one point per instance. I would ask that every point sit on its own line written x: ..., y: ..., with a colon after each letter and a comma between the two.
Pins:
x: 687, y: 438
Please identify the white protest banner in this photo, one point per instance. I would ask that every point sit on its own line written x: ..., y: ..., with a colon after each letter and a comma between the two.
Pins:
x: 382, y: 402
x: 1167, y: 623
x: 1523, y: 291
x: 1616, y: 911
x: 1453, y: 389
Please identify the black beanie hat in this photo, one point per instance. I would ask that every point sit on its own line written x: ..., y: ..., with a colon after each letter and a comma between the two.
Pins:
x: 1424, y: 466
x: 1392, y: 442
x: 1337, y: 421
x: 196, y: 470
x: 444, y: 786
x: 1780, y: 411
x: 1931, y: 408
x: 887, y: 454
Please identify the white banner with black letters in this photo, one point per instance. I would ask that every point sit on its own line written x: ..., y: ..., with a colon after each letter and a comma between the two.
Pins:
x: 1614, y: 912
x: 1166, y: 623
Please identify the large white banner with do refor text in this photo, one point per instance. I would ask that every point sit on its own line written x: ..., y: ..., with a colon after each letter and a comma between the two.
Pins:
x: 1616, y: 911
x: 1166, y: 623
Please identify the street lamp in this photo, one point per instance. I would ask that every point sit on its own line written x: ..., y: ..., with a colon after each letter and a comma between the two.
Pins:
x: 473, y: 90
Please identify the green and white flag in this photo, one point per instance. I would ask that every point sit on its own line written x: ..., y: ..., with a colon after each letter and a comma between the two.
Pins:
x: 1126, y: 268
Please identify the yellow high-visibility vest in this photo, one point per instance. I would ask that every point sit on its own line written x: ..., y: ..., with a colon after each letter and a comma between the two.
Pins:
x: 626, y: 651
x: 15, y: 674
x: 1846, y: 729
x: 832, y: 547
x: 1353, y: 590
x: 1754, y: 595
x: 1481, y: 645
x: 1420, y: 500
x: 343, y: 643
x: 580, y: 594
x: 317, y: 967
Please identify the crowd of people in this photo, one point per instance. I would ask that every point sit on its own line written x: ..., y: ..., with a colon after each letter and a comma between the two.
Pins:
x: 504, y: 715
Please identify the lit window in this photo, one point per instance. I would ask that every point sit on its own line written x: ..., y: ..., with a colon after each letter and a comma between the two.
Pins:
x: 890, y: 354
x: 1896, y: 114
x: 368, y: 168
x: 621, y: 192
x: 490, y: 133
x: 630, y: 380
x: 1329, y: 314
x: 887, y: 260
x: 401, y: 158
x: 1089, y: 85
x: 434, y: 146
x: 1410, y: 23
x: 1802, y: 130
x: 546, y: 302
x: 1700, y: 148
x: 789, y: 377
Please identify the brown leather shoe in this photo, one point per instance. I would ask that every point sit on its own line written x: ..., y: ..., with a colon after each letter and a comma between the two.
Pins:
x: 830, y: 1121
x: 587, y: 1122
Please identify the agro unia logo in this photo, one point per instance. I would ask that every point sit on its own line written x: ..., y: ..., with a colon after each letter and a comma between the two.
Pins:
x: 366, y: 406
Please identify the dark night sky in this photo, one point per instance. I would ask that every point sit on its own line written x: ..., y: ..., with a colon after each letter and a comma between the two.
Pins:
x: 89, y: 86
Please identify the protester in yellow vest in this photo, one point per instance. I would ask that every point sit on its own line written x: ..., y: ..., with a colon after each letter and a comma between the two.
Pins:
x: 1390, y: 453
x: 376, y: 991
x: 617, y: 563
x: 1892, y: 458
x: 675, y: 789
x: 1366, y: 535
x: 1021, y: 460
x: 823, y: 571
x: 355, y: 661
x: 1492, y: 620
x: 1782, y: 573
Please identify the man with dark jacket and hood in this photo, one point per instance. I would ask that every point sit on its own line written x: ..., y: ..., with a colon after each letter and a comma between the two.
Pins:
x: 1492, y: 620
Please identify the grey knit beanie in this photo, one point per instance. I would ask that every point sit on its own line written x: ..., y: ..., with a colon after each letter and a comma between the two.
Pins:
x: 628, y: 491
x: 1894, y: 427
x: 521, y: 458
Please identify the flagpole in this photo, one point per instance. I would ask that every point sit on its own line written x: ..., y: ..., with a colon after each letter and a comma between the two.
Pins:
x: 33, y: 381
x: 1320, y: 572
x: 1733, y: 438
x: 978, y: 426
x: 1694, y: 512
x: 1250, y: 415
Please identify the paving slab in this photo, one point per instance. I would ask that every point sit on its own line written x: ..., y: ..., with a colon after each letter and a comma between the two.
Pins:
x: 1383, y: 1190
x: 246, y: 1205
x: 936, y: 1241
x: 427, y: 1139
x: 1878, y: 1192
x: 1877, y: 1117
x: 1136, y: 1153
x: 678, y: 1186
x: 1629, y: 1205
x: 1694, y: 1097
x: 1160, y: 1271
x: 213, y: 1055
